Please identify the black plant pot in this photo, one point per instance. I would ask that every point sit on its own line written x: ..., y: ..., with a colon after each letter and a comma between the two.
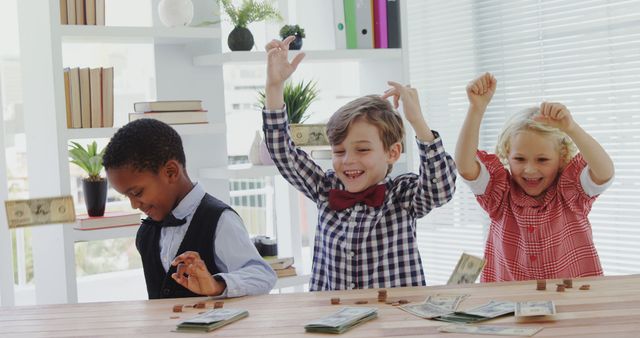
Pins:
x: 95, y: 196
x: 240, y: 38
x: 296, y: 44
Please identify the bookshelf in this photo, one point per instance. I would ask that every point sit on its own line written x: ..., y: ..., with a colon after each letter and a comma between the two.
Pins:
x: 43, y: 41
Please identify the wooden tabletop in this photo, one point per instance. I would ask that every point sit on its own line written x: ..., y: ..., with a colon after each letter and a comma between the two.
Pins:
x: 611, y: 308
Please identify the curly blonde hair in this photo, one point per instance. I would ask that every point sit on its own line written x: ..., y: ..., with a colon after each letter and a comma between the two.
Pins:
x: 523, y: 120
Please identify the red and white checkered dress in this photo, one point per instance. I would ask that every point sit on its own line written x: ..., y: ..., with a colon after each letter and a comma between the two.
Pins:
x: 529, y: 239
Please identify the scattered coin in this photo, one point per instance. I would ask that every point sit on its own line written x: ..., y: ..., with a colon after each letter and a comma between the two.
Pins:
x: 200, y: 305
x: 585, y: 287
x: 568, y: 283
x: 403, y: 301
x: 218, y: 305
x: 560, y: 287
x: 361, y: 302
x: 335, y: 301
x: 541, y: 284
x: 177, y: 308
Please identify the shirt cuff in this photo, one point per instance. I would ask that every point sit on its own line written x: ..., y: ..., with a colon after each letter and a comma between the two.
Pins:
x: 479, y: 185
x: 431, y: 149
x: 590, y: 187
x: 272, y: 119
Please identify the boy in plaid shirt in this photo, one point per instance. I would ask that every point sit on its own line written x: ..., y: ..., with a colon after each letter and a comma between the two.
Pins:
x: 366, y: 232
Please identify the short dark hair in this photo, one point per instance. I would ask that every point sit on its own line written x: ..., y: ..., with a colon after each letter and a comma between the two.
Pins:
x: 144, y: 144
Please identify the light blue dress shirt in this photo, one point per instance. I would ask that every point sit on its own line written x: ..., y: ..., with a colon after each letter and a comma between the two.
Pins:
x: 242, y: 268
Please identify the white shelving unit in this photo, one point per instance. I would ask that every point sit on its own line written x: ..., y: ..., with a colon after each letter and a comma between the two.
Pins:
x: 42, y: 43
x: 310, y: 56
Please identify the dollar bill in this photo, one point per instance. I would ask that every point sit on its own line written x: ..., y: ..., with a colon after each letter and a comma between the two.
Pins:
x: 467, y: 270
x: 445, y: 301
x: 37, y: 211
x: 484, y: 312
x: 535, y: 308
x: 491, y: 330
x: 309, y: 134
x: 211, y: 320
x: 434, y: 306
x: 343, y: 320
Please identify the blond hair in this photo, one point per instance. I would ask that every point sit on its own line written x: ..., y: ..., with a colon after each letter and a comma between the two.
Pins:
x: 523, y: 120
x: 374, y: 110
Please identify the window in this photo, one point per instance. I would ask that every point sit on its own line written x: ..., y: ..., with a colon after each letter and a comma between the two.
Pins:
x: 584, y: 54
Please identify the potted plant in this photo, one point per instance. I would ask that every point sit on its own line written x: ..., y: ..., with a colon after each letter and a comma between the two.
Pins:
x: 94, y: 186
x: 249, y: 11
x: 295, y: 30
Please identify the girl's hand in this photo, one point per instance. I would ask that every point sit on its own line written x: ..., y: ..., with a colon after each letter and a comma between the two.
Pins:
x: 481, y: 90
x: 278, y: 66
x: 556, y: 115
x: 409, y: 98
x: 192, y: 273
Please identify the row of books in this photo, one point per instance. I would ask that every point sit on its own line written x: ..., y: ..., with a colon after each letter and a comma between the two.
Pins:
x: 89, y: 97
x: 366, y: 24
x: 170, y: 112
x: 82, y: 12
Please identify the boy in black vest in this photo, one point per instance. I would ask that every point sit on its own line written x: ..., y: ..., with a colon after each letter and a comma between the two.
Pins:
x: 191, y: 243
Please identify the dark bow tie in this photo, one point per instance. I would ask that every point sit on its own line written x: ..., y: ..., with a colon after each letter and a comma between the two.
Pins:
x: 168, y: 221
x: 372, y: 196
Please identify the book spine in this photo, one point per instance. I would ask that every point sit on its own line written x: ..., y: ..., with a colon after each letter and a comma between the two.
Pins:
x: 67, y: 96
x: 100, y: 12
x: 80, y: 16
x: 90, y: 12
x: 63, y: 12
x: 74, y: 93
x: 380, y: 23
x: 95, y: 77
x: 350, y: 23
x: 393, y: 24
x: 107, y: 97
x: 85, y: 98
x: 71, y: 12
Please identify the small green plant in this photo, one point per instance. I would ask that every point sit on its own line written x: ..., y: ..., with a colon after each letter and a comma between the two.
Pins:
x: 89, y: 159
x: 288, y: 30
x: 297, y: 98
x: 250, y: 11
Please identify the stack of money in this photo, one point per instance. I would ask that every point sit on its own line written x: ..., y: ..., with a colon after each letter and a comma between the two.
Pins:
x: 343, y: 320
x: 535, y: 308
x: 491, y: 330
x: 435, y: 306
x: 484, y: 312
x: 211, y: 320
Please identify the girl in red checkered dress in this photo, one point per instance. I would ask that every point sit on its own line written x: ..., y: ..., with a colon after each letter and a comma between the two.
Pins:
x: 537, y: 189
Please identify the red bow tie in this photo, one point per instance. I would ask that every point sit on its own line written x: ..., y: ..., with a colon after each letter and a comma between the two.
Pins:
x: 372, y: 196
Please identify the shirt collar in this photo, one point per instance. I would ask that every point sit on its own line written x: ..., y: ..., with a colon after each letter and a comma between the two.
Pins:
x: 190, y: 202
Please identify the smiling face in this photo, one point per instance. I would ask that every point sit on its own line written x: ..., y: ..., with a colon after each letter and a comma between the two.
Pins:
x: 154, y: 194
x: 361, y: 161
x: 534, y: 161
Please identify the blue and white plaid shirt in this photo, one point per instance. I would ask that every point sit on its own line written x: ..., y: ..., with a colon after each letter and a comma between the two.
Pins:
x: 364, y: 247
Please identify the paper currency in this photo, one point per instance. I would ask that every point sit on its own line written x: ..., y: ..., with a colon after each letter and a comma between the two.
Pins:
x: 467, y: 270
x: 309, y: 134
x: 535, y: 308
x: 36, y: 211
x: 211, y: 320
x: 484, y: 312
x: 491, y: 330
x: 434, y: 306
x: 343, y: 320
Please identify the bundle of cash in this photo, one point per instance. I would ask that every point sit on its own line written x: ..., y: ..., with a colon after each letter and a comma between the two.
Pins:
x: 535, y: 308
x: 491, y: 330
x: 434, y: 306
x: 343, y: 320
x: 467, y: 270
x: 211, y: 320
x: 484, y: 312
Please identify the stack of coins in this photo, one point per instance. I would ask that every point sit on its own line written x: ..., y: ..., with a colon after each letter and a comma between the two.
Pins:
x: 541, y: 284
x: 361, y: 302
x: 335, y: 301
x: 177, y: 308
x: 560, y: 287
x: 200, y: 305
x: 585, y: 287
x: 568, y: 283
x: 218, y: 305
x: 403, y: 301
x: 382, y: 295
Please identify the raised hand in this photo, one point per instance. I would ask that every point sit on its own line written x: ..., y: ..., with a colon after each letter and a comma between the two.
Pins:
x: 481, y: 90
x: 556, y: 115
x: 192, y: 273
x: 411, y: 108
x: 278, y: 66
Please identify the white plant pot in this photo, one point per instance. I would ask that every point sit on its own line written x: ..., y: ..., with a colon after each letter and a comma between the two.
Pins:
x: 175, y: 13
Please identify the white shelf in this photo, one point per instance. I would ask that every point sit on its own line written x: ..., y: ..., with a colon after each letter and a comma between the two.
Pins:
x: 239, y: 171
x: 160, y: 35
x: 107, y: 233
x: 290, y: 281
x: 391, y: 54
x: 182, y: 129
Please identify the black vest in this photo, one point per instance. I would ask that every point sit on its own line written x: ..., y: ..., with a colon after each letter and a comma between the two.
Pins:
x: 199, y: 237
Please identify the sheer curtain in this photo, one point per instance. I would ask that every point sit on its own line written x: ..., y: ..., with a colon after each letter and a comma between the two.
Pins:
x: 585, y: 54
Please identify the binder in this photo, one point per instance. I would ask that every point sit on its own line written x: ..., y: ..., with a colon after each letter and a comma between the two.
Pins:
x: 350, y: 23
x: 364, y: 21
x: 338, y: 24
x: 380, y: 24
x: 393, y: 24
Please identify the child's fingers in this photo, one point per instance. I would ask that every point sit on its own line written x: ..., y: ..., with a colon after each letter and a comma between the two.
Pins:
x: 296, y: 60
x: 272, y: 44
x: 287, y: 41
x: 186, y: 256
x: 544, y: 109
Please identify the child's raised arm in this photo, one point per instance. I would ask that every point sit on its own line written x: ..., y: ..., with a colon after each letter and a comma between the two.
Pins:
x: 479, y: 92
x: 278, y: 70
x: 600, y: 164
x: 411, y: 108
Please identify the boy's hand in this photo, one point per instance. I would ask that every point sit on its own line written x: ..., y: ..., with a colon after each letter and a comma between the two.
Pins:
x: 192, y: 273
x: 278, y: 66
x: 409, y: 97
x: 556, y: 115
x: 481, y: 90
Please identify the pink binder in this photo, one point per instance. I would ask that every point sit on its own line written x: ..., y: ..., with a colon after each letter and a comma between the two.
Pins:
x: 380, y: 23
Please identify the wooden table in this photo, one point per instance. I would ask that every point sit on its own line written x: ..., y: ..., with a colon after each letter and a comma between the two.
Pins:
x: 610, y: 309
